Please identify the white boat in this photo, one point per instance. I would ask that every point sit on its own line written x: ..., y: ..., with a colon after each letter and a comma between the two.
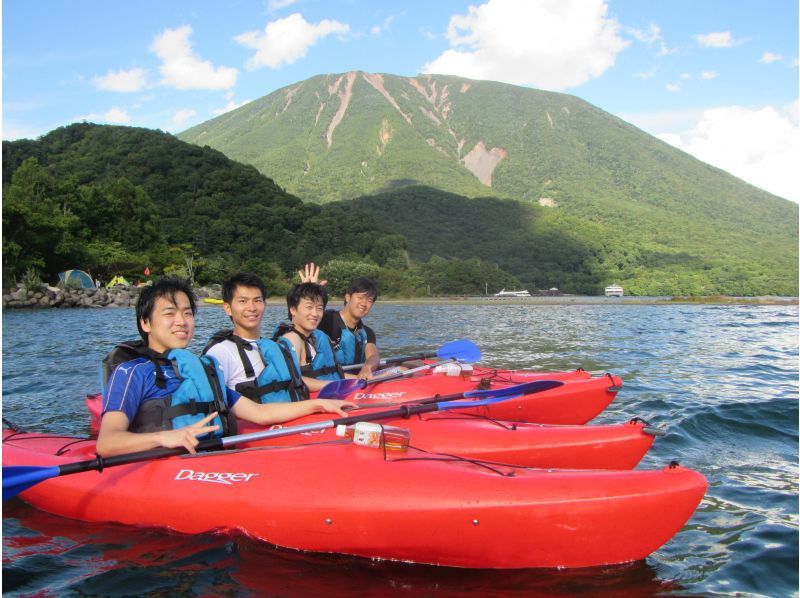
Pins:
x: 505, y: 293
x: 614, y: 291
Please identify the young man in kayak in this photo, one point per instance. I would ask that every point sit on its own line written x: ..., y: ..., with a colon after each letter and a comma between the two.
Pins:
x: 258, y: 368
x: 311, y: 347
x: 354, y: 341
x: 168, y: 397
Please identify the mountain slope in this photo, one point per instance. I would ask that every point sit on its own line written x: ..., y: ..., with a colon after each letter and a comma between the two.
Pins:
x: 353, y: 134
x: 342, y: 136
x: 545, y: 248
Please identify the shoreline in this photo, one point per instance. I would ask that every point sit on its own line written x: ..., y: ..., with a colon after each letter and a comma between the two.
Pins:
x: 53, y: 297
x: 571, y: 300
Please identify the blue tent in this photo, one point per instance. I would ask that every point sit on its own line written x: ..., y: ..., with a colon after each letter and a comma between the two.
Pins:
x: 75, y: 278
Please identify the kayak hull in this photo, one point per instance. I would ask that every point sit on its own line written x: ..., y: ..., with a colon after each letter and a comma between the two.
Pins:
x: 342, y: 498
x: 618, y: 446
x: 577, y: 401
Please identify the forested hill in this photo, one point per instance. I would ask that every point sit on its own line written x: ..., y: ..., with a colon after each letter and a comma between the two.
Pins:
x: 547, y: 248
x: 119, y: 199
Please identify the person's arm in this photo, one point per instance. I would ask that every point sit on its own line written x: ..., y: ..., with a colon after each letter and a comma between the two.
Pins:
x: 231, y: 368
x: 115, y: 439
x: 265, y: 414
x: 300, y: 350
x: 372, y: 362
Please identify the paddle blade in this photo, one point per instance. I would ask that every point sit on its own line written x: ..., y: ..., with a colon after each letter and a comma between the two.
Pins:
x: 339, y: 389
x: 496, y: 395
x: 19, y: 478
x: 462, y: 350
x: 526, y: 388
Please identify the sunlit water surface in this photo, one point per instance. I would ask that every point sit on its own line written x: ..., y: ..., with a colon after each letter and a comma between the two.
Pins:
x: 722, y: 379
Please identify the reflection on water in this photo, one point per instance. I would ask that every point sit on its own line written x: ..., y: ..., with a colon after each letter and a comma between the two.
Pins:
x: 723, y: 380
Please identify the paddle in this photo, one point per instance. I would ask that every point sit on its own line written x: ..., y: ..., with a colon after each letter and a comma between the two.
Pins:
x: 16, y: 479
x: 462, y: 350
x: 339, y: 389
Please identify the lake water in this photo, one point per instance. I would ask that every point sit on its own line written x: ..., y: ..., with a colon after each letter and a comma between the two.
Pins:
x: 722, y: 379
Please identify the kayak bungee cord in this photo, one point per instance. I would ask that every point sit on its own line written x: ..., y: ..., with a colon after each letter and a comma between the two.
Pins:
x: 16, y: 479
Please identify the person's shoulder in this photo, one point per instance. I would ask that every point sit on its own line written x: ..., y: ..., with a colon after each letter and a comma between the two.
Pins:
x: 221, y: 347
x: 322, y: 334
x: 137, y: 367
x: 329, y: 316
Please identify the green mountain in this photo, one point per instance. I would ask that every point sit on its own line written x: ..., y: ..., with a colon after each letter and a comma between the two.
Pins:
x: 546, y: 248
x: 646, y: 214
x: 116, y: 199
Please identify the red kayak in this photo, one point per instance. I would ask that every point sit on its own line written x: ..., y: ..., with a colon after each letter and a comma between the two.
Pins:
x: 619, y: 446
x: 580, y: 399
x: 343, y: 498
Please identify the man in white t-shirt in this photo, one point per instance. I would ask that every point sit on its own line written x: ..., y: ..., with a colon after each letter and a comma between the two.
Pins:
x: 243, y: 297
x: 239, y: 354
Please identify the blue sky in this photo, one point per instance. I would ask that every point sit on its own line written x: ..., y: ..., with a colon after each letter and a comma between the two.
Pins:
x: 716, y: 78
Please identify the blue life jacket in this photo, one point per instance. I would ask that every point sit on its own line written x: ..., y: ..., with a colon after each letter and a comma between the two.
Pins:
x: 352, y: 345
x: 280, y: 380
x: 201, y: 390
x: 323, y: 366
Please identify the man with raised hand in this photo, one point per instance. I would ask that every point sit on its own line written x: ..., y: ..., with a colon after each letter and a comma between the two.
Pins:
x: 354, y: 342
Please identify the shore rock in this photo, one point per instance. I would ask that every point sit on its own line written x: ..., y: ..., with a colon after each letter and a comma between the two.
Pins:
x: 48, y: 297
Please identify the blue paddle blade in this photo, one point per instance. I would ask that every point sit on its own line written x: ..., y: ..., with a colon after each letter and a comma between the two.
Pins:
x: 487, y: 397
x: 462, y: 350
x: 338, y: 389
x: 517, y: 390
x: 19, y: 478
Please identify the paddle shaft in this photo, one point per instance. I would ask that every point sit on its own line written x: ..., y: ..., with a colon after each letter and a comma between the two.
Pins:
x: 17, y: 479
x: 213, y: 444
x: 392, y: 360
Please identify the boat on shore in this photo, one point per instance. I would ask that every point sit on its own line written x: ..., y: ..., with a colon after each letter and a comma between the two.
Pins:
x: 511, y: 294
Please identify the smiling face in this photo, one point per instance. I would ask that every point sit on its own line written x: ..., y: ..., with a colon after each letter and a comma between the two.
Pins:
x: 246, y: 309
x: 170, y: 325
x: 357, y: 306
x: 307, y: 315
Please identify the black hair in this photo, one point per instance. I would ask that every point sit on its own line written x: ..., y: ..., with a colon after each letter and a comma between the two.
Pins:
x: 241, y: 279
x: 305, y: 290
x: 362, y: 285
x: 165, y: 287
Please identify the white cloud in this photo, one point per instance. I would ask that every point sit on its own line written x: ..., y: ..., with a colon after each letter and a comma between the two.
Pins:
x: 648, y: 74
x: 718, y: 39
x: 686, y: 76
x: 648, y: 36
x: 286, y: 40
x: 183, y: 69
x: 231, y: 105
x: 769, y: 58
x: 552, y: 44
x: 115, y: 115
x: 12, y: 131
x: 708, y: 75
x: 275, y: 5
x: 760, y: 146
x: 122, y: 81
x: 427, y: 33
x: 181, y: 116
x: 672, y: 87
x: 378, y: 29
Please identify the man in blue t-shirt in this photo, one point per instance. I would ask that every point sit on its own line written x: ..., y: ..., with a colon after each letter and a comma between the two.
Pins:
x: 165, y: 315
